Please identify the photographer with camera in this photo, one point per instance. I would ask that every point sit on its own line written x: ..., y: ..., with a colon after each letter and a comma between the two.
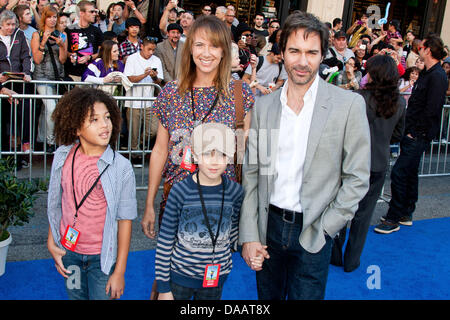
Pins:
x: 49, y: 65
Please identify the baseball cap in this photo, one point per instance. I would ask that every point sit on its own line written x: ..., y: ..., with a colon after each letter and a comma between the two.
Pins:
x: 174, y: 26
x: 213, y: 136
x: 340, y: 34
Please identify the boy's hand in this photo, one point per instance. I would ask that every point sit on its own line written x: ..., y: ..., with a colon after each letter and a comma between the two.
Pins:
x: 115, y: 285
x: 57, y: 253
x: 166, y: 296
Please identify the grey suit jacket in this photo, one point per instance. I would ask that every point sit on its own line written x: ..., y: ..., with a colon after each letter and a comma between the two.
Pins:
x: 169, y: 60
x: 336, y: 170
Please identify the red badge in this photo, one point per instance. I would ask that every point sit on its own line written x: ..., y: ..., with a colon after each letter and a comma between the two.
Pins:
x: 187, y: 163
x: 70, y: 239
x: 211, y: 277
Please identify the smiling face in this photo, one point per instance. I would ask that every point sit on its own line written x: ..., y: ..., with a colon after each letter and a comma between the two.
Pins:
x: 95, y: 132
x: 206, y: 55
x: 115, y: 52
x: 302, y: 57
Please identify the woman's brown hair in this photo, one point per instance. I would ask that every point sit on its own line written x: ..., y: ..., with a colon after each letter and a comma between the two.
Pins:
x: 105, y: 54
x: 219, y: 34
x: 73, y: 109
x: 47, y: 12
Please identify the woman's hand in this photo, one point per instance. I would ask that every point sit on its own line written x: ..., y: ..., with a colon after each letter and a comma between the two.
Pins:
x: 148, y: 222
x: 45, y: 36
x: 59, y: 41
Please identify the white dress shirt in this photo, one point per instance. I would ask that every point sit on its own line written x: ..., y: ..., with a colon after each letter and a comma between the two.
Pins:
x: 292, y: 144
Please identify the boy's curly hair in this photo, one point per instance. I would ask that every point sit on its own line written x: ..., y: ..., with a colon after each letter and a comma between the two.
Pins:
x: 73, y: 108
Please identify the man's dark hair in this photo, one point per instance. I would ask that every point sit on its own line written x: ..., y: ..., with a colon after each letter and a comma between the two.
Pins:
x: 276, y: 21
x: 436, y: 45
x: 260, y: 14
x: 303, y: 20
x: 132, y: 22
x: 336, y: 21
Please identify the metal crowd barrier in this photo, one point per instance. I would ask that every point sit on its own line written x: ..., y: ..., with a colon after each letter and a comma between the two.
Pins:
x: 22, y: 124
x: 435, y: 160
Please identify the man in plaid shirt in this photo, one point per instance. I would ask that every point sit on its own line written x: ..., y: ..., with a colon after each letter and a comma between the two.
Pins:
x: 132, y: 43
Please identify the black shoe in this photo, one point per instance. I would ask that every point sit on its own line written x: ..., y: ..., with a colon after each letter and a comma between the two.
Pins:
x: 404, y: 221
x: 387, y: 227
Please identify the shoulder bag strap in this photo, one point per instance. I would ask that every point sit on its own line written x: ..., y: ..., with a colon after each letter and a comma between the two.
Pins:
x: 239, y: 126
x: 52, y: 58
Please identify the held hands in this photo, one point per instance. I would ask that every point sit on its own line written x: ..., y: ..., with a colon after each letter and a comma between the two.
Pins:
x: 254, y: 254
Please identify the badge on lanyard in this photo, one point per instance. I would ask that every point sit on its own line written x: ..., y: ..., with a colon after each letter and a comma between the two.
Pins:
x: 70, y: 239
x: 72, y: 235
x: 211, y: 277
x: 187, y: 162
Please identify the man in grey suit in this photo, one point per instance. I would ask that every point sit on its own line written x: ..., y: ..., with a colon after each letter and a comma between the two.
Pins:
x: 307, y: 167
x: 169, y: 51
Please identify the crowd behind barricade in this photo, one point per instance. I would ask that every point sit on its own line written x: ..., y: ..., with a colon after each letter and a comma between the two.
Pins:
x: 65, y: 41
x: 195, y: 69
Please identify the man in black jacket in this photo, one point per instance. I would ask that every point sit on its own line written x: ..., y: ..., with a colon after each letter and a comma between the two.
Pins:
x: 422, y: 125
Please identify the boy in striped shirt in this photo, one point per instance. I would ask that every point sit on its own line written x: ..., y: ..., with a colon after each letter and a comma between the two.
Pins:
x: 191, y: 247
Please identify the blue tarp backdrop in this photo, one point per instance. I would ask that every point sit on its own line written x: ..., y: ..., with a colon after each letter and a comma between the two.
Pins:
x: 410, y: 264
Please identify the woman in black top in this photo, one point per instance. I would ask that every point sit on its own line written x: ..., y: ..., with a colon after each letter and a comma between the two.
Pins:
x: 386, y: 111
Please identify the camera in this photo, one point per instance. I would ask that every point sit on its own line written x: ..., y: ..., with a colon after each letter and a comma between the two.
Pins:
x: 243, y: 38
x: 56, y: 34
x: 154, y: 69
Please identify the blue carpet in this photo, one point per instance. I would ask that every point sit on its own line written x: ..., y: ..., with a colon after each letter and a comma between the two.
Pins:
x: 410, y: 264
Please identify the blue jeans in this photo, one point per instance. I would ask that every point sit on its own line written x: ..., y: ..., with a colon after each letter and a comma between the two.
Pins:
x: 405, y: 179
x: 184, y: 293
x: 87, y: 281
x: 291, y: 270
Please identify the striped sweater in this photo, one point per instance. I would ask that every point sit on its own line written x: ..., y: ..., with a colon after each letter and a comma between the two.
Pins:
x: 184, y: 243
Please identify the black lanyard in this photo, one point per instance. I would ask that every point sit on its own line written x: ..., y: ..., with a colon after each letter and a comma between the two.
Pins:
x: 78, y: 205
x: 209, y: 111
x: 208, y: 225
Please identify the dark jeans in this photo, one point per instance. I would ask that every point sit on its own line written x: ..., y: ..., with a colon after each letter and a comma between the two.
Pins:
x: 404, y: 178
x: 359, y: 226
x: 291, y: 271
x: 184, y: 293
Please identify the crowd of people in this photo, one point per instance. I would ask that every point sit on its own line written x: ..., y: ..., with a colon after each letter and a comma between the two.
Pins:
x: 322, y: 165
